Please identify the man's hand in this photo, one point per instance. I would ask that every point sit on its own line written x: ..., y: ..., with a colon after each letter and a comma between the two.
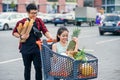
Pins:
x: 24, y: 36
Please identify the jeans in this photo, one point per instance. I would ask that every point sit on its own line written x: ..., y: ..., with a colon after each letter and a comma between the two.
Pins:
x: 27, y: 60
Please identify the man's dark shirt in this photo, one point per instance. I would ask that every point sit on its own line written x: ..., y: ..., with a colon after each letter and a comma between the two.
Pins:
x: 30, y: 45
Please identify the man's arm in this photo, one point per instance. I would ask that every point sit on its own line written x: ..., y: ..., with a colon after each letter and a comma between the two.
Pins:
x: 17, y: 35
x: 48, y: 35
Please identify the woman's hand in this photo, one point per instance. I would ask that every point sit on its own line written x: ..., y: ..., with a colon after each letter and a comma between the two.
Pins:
x: 75, y: 39
x: 71, y: 53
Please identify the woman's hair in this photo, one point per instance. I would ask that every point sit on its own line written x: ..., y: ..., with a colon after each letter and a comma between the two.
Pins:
x: 60, y: 31
x: 31, y: 6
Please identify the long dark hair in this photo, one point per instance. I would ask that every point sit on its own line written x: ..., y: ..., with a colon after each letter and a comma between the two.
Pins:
x: 60, y: 31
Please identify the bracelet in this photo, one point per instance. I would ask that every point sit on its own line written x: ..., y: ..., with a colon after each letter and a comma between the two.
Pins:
x: 20, y: 36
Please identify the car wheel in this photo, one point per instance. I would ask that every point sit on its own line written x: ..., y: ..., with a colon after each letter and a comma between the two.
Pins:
x: 5, y: 27
x: 93, y: 23
x: 78, y: 23
x: 55, y: 24
x: 101, y: 32
x: 90, y: 23
x: 65, y: 23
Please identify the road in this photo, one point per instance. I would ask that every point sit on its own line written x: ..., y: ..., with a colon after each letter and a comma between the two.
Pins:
x: 105, y: 48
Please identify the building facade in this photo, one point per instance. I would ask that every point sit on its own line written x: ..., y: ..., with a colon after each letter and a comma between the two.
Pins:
x: 111, y: 5
x: 47, y: 6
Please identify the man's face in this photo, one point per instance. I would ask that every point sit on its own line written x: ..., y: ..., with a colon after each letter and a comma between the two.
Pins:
x: 32, y: 14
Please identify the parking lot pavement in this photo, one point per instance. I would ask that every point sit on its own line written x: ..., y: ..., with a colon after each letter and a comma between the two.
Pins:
x: 105, y: 48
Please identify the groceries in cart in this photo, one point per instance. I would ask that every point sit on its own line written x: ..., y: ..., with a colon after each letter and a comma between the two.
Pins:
x: 65, y: 67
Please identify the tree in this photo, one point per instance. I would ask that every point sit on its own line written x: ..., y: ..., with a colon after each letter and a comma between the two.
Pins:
x: 12, y: 5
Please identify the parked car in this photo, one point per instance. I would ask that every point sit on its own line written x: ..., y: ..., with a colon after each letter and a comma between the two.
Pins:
x: 47, y: 18
x: 64, y: 19
x: 111, y: 23
x: 9, y: 19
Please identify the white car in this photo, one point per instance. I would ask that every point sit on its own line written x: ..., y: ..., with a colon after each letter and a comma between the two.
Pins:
x: 46, y: 17
x: 8, y: 20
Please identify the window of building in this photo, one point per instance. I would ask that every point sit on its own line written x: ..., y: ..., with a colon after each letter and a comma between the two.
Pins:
x: 89, y: 3
x: 103, y: 2
x: 52, y: 0
x: 7, y: 8
x: 70, y: 0
x: 110, y: 9
x: 110, y: 1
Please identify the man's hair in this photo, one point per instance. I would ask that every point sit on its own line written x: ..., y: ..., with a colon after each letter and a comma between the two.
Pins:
x: 31, y: 6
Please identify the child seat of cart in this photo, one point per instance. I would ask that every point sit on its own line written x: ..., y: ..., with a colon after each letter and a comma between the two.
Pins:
x: 60, y: 65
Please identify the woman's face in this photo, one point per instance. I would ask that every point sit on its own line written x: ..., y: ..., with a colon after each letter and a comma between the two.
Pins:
x: 32, y: 14
x: 64, y: 36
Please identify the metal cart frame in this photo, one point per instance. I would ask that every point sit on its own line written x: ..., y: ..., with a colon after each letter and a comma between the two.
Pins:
x: 72, y: 67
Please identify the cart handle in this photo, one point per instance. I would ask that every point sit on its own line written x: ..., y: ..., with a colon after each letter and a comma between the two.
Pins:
x: 39, y: 43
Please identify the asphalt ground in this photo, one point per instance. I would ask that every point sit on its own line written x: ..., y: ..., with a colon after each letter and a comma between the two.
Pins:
x: 106, y: 48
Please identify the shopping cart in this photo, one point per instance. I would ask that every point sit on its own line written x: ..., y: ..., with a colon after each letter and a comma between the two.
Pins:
x: 63, y: 67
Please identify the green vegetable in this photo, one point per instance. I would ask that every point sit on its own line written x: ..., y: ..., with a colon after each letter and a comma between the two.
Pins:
x: 80, y: 55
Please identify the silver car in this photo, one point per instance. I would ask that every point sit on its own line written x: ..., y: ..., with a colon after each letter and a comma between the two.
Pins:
x: 111, y: 23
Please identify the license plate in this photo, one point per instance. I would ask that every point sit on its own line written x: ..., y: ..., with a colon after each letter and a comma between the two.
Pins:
x: 109, y: 24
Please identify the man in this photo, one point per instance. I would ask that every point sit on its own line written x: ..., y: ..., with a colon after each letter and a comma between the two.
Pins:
x: 29, y: 49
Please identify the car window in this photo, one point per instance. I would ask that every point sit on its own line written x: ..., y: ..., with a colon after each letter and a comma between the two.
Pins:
x: 3, y: 16
x: 19, y: 16
x: 112, y: 18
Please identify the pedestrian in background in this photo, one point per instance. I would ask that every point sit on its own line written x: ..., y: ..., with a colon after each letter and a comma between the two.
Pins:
x: 98, y: 19
x: 29, y: 49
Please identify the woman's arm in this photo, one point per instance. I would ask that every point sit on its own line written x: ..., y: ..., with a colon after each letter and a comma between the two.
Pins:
x: 54, y: 48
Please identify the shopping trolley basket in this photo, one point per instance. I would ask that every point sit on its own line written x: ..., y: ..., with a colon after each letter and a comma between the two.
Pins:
x: 59, y: 66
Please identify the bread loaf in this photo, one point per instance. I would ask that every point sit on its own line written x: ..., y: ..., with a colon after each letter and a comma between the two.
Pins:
x: 27, y: 28
x: 24, y: 27
x: 19, y: 28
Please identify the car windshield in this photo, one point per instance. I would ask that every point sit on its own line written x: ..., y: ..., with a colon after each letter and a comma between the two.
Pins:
x: 3, y: 16
x: 112, y: 18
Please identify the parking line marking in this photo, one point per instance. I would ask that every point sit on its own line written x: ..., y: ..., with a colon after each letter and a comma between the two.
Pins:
x: 101, y: 42
x: 88, y: 36
x: 89, y: 50
x: 12, y: 60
